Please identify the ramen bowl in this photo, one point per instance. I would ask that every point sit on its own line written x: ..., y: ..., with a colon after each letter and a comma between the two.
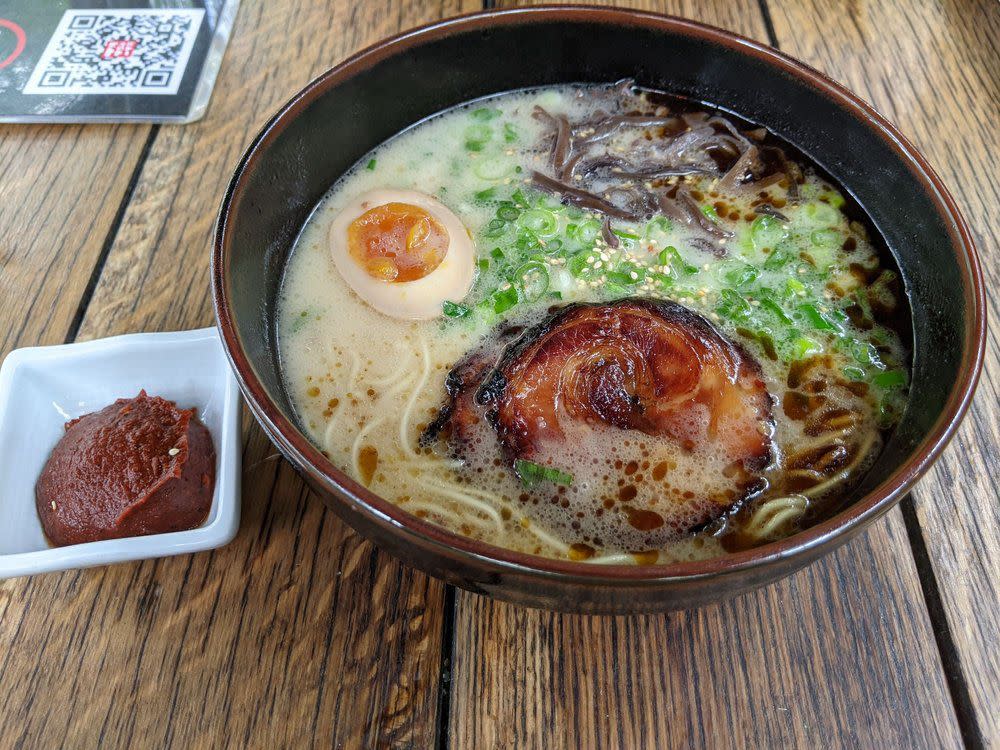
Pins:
x: 386, y: 88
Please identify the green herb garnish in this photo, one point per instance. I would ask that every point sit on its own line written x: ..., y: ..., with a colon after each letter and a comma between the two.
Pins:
x: 485, y: 114
x: 455, y: 310
x: 531, y: 474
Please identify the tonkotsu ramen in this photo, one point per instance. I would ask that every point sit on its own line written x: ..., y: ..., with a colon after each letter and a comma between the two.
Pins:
x: 595, y: 322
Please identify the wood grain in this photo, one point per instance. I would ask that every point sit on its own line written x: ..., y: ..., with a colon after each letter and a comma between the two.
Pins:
x: 840, y: 655
x: 939, y: 81
x: 833, y: 657
x: 60, y: 191
x: 298, y: 632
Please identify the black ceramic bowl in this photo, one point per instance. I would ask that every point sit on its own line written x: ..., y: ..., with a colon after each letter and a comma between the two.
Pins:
x: 378, y: 92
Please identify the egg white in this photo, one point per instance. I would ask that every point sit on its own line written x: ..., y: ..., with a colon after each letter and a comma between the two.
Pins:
x: 420, y: 299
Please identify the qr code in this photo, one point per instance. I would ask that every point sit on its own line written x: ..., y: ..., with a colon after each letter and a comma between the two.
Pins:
x: 117, y: 52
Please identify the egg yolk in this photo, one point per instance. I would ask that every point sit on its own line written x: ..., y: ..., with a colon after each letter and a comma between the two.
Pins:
x: 397, y: 242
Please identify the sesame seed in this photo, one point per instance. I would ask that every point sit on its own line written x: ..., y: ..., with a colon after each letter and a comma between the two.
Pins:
x: 174, y: 451
x: 53, y: 505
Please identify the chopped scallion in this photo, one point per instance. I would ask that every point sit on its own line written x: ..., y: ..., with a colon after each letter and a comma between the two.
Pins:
x: 533, y: 280
x: 504, y: 299
x: 484, y: 114
x: 531, y: 474
x: 454, y: 310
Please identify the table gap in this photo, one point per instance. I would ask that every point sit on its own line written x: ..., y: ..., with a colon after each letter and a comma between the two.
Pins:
x: 109, y: 240
x: 441, y: 739
x: 954, y: 675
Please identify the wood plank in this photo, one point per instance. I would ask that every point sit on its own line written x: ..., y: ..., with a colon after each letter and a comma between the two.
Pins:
x: 54, y: 220
x: 840, y: 655
x: 299, y: 632
x: 939, y: 80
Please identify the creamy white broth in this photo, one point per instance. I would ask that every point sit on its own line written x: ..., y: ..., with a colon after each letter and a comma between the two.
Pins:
x: 365, y: 385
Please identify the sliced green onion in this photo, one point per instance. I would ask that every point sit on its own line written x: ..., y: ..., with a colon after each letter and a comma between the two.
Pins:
x: 484, y: 114
x: 854, y: 373
x: 519, y: 198
x: 543, y: 223
x: 533, y: 280
x: 669, y: 256
x: 739, y: 274
x: 794, y: 286
x: 625, y: 235
x: 491, y: 168
x: 454, y: 310
x: 553, y: 246
x: 803, y: 347
x: 495, y: 228
x: 508, y: 211
x: 588, y: 231
x: 826, y: 238
x: 658, y: 224
x: 531, y: 474
x: 710, y: 212
x: 775, y: 309
x: 822, y: 213
x: 371, y: 165
x: 578, y: 263
x: 733, y: 306
x: 663, y: 280
x: 504, y: 299
x: 510, y: 135
x: 890, y: 379
x: 526, y: 241
x: 485, y: 196
x: 767, y: 231
x: 834, y: 198
x: 866, y: 354
x: 815, y: 319
x: 776, y: 259
x: 481, y: 133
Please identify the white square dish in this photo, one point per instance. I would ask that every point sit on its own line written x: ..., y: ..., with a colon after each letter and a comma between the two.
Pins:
x: 41, y: 388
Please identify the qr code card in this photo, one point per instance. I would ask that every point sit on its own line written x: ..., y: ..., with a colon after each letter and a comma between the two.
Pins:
x: 140, y: 51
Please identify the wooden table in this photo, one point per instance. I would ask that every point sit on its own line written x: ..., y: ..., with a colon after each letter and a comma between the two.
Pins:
x: 300, y: 632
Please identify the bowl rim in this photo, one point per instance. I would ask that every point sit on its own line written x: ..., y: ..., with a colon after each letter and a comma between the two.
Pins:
x: 389, y: 516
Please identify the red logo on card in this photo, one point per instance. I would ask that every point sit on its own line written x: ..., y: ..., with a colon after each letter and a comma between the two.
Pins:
x: 119, y: 48
x: 19, y: 40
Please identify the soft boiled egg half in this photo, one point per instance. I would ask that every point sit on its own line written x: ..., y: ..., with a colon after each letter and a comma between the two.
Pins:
x: 403, y: 252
